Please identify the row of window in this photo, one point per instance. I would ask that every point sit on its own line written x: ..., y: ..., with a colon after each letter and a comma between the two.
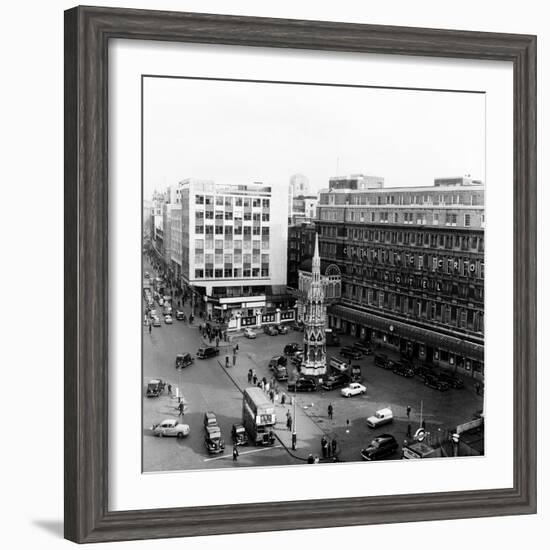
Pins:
x: 247, y: 230
x: 228, y: 258
x: 239, y: 217
x: 446, y: 314
x: 404, y: 199
x: 231, y: 273
x: 218, y: 200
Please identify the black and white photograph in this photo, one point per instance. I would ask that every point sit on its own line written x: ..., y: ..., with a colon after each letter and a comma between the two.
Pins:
x: 313, y: 273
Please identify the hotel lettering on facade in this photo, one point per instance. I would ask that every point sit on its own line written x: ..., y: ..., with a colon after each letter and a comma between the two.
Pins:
x: 234, y: 251
x: 412, y: 263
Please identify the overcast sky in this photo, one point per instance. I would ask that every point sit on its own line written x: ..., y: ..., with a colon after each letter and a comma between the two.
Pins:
x: 245, y: 131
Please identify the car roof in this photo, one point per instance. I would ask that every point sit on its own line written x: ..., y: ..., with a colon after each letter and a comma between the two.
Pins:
x: 169, y: 421
x: 213, y: 430
x: 386, y: 410
x: 154, y: 381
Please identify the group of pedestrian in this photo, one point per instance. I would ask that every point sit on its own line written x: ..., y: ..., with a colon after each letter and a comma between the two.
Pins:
x: 328, y: 447
x: 312, y: 459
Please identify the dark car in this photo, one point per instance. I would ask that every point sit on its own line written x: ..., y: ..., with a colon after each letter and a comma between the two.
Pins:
x: 334, y: 381
x: 280, y: 373
x: 213, y: 440
x: 355, y: 373
x: 363, y: 347
x: 206, y: 352
x: 350, y: 353
x: 274, y: 362
x: 180, y: 316
x: 402, y: 369
x: 423, y: 371
x: 302, y: 384
x: 155, y: 388
x: 382, y: 361
x: 210, y: 419
x: 183, y: 360
x: 271, y: 330
x: 332, y: 340
x: 291, y: 348
x: 380, y: 447
x: 452, y: 381
x: 298, y: 326
x: 239, y: 435
x: 436, y: 383
x: 282, y: 329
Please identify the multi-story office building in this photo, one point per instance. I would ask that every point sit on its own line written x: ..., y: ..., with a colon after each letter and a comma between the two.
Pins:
x: 301, y: 243
x: 412, y: 263
x: 174, y: 222
x: 234, y: 249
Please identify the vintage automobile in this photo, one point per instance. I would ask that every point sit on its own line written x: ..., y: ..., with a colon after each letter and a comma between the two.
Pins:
x: 183, y: 360
x: 207, y: 351
x: 271, y: 330
x: 155, y: 387
x: 383, y: 361
x: 302, y: 384
x: 276, y: 361
x: 380, y: 417
x: 334, y: 381
x: 298, y: 326
x: 436, y: 383
x: 292, y: 348
x: 380, y: 447
x: 363, y: 347
x: 213, y: 440
x: 451, y: 380
x: 280, y: 373
x: 353, y: 389
x: 249, y: 333
x: 180, y: 315
x: 350, y: 353
x: 403, y: 369
x: 210, y: 419
x: 239, y: 435
x: 282, y: 329
x: 170, y: 427
x: 168, y: 319
x: 156, y: 321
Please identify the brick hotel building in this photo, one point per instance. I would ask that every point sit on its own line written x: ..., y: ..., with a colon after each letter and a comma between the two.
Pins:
x: 233, y: 259
x: 412, y: 264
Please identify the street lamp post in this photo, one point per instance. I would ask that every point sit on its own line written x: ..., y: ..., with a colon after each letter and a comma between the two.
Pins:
x: 294, y: 436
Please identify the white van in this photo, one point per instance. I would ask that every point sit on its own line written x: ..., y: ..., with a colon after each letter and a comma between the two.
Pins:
x: 381, y: 417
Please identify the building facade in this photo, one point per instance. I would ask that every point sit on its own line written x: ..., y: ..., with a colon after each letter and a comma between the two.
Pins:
x: 412, y: 263
x: 233, y: 257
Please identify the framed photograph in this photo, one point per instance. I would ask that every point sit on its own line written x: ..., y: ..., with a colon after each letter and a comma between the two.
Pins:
x: 300, y: 274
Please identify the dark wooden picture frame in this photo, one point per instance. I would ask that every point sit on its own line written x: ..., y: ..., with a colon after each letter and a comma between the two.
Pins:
x: 87, y: 34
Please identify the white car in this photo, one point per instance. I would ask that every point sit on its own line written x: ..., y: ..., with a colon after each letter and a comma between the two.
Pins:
x: 170, y: 427
x: 353, y: 389
x: 168, y: 319
x: 249, y: 333
x: 379, y: 418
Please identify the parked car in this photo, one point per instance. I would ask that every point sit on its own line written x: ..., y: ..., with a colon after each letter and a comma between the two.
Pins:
x: 249, y: 333
x: 170, y: 427
x: 271, y: 330
x: 156, y: 321
x: 180, y: 315
x: 353, y: 389
x: 383, y: 361
x: 355, y: 373
x: 334, y: 381
x: 168, y: 319
x: 183, y: 360
x: 452, y: 381
x: 207, y: 351
x: 239, y: 435
x: 213, y: 440
x: 280, y: 373
x: 302, y: 384
x: 153, y: 313
x: 209, y: 419
x: 436, y: 383
x: 298, y: 326
x: 423, y: 371
x: 338, y: 365
x: 350, y: 353
x: 331, y: 339
x: 282, y: 329
x: 155, y: 387
x: 292, y: 348
x: 380, y: 447
x: 403, y: 369
x: 363, y: 347
x: 274, y: 362
x: 380, y: 417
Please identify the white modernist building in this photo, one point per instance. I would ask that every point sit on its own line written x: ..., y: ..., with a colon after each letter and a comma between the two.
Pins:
x: 234, y: 247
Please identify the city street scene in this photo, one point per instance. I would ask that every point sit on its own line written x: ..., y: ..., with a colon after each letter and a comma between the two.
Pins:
x: 298, y: 309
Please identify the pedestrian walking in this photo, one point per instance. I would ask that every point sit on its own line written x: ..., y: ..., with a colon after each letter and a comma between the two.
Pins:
x: 409, y: 429
x: 310, y: 459
x: 283, y: 398
x: 181, y: 407
x: 249, y: 376
x: 333, y: 446
x: 235, y: 453
x: 289, y: 422
x: 272, y: 396
x: 408, y: 411
x: 217, y: 342
x: 324, y: 445
x: 169, y: 389
x: 234, y: 359
x: 150, y: 328
x: 330, y: 410
x: 227, y: 361
x: 254, y: 378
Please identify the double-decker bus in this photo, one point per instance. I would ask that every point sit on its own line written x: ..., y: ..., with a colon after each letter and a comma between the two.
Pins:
x: 258, y: 416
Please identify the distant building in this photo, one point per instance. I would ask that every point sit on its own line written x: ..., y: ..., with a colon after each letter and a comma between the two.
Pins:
x: 412, y: 266
x: 302, y: 203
